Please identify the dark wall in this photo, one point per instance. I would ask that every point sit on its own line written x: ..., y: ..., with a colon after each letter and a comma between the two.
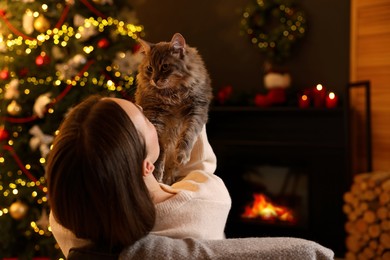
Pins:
x: 213, y: 27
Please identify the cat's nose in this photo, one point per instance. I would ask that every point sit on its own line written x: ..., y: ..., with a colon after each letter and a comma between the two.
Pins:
x: 156, y: 79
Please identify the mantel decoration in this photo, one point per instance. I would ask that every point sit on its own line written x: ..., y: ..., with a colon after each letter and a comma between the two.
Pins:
x: 274, y: 26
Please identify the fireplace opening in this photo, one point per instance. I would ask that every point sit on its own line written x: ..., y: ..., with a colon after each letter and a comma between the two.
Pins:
x: 270, y: 196
x: 279, y: 195
x: 290, y: 158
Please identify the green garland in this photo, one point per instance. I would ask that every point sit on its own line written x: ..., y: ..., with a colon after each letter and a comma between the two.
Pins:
x: 274, y: 26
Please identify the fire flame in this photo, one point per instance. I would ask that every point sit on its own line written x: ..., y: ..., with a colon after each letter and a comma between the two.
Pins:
x: 266, y: 210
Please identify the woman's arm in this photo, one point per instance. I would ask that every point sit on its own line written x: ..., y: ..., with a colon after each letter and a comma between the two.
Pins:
x: 159, y: 247
x: 202, y: 157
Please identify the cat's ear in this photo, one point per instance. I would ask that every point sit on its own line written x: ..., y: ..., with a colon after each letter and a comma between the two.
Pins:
x: 178, y: 43
x: 145, y: 46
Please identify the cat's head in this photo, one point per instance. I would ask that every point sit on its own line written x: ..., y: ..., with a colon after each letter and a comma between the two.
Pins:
x: 164, y: 63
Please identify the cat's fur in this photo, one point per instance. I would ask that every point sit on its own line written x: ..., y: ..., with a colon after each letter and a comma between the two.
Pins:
x: 174, y: 90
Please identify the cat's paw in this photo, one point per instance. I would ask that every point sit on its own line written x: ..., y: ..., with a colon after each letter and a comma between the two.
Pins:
x: 182, y: 158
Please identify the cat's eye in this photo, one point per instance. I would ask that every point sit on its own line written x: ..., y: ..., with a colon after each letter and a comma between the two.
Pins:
x: 149, y: 68
x: 165, y: 67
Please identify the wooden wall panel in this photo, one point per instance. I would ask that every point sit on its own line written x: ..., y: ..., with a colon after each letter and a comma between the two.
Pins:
x: 370, y: 60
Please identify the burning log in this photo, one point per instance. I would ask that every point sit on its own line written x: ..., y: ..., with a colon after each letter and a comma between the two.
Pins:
x: 367, y: 207
x: 262, y: 208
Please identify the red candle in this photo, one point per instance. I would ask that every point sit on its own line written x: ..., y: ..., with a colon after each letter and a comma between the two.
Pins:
x: 319, y: 95
x: 331, y: 100
x: 304, y: 101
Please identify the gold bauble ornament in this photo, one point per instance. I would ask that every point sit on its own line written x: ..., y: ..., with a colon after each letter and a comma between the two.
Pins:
x: 14, y: 108
x: 18, y: 210
x: 41, y: 24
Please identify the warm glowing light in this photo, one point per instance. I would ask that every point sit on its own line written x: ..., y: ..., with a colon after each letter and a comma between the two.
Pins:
x: 319, y: 87
x: 304, y: 97
x: 332, y: 95
x: 264, y: 209
x: 88, y: 49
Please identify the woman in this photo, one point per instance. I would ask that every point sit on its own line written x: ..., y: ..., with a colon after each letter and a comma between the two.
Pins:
x: 102, y: 190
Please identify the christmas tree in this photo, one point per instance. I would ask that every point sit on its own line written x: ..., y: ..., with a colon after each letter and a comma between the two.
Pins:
x: 53, y: 54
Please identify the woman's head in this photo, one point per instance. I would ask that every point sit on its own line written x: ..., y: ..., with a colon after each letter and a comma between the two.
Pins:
x: 95, y: 173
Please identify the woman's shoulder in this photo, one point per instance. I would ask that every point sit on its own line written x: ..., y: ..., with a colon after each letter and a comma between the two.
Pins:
x: 197, y: 180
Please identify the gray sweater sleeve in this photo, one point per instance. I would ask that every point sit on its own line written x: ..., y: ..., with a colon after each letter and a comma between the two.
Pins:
x: 159, y: 247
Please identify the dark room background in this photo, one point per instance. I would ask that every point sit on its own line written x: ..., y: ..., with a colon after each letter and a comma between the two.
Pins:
x: 213, y: 27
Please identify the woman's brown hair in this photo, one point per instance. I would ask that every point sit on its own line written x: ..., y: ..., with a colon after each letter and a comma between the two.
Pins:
x: 95, y: 182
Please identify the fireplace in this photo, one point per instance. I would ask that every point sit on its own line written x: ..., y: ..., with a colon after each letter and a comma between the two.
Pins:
x: 275, y: 195
x: 291, y: 159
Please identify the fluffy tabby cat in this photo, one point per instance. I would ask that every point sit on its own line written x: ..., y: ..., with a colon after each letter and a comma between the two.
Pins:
x: 174, y: 91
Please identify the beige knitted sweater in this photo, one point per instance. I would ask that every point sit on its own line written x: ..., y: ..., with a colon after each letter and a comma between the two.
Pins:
x: 198, y: 210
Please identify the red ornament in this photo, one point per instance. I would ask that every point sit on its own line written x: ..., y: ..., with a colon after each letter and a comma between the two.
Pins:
x: 275, y: 96
x: 42, y: 59
x: 3, y: 134
x: 103, y: 43
x: 4, y: 74
x: 224, y: 94
x: 2, y: 12
x: 23, y: 72
x: 136, y: 48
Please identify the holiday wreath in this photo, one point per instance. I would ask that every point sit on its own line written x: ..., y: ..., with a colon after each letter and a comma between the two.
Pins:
x: 274, y: 26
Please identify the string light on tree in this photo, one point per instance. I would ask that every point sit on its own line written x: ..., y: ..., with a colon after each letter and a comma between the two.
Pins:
x: 52, y: 55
